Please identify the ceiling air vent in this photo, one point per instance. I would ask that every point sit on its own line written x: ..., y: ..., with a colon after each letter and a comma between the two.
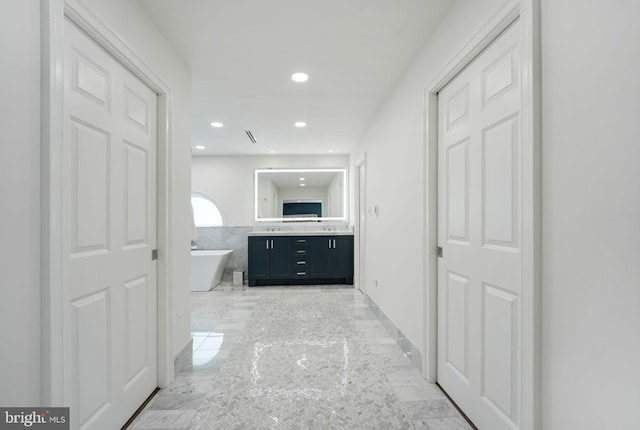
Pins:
x: 251, y: 138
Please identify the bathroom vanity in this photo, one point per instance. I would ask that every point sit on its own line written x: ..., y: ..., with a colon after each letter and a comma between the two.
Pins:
x: 295, y: 258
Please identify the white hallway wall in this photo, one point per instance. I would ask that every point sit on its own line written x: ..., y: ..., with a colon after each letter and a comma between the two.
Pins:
x: 591, y: 204
x: 20, y: 197
x: 591, y: 214
x: 228, y: 180
x: 20, y: 332
x: 394, y: 145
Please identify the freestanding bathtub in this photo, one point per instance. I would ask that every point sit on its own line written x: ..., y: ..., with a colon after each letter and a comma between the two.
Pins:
x: 207, y: 267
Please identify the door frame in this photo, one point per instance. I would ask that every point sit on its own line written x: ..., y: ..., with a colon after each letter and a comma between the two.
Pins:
x: 529, y: 13
x: 360, y: 257
x: 53, y: 13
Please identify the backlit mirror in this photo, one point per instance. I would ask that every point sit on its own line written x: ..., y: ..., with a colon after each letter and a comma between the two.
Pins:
x: 300, y: 195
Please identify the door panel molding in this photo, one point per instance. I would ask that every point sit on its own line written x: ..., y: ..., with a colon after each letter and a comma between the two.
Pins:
x: 528, y: 11
x: 54, y: 382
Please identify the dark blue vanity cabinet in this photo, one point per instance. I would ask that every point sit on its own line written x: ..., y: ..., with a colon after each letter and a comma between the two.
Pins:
x: 269, y: 258
x: 300, y: 260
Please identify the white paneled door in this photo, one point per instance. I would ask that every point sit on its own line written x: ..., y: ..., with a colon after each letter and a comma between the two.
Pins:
x: 109, y: 231
x: 479, y: 231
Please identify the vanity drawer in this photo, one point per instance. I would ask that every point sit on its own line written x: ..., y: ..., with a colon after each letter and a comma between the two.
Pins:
x: 301, y: 248
x: 301, y: 251
x: 300, y: 263
x: 302, y: 258
x: 301, y: 273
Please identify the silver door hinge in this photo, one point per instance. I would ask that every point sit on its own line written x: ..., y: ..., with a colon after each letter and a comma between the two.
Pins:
x: 154, y: 255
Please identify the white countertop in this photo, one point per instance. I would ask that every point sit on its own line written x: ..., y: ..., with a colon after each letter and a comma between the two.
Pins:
x: 300, y: 233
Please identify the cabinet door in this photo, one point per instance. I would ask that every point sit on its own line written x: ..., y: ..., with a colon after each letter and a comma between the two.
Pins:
x: 259, y: 258
x: 342, y: 257
x: 281, y: 258
x: 321, y: 257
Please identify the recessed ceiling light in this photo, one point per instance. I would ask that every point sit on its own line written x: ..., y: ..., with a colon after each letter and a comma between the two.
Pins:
x: 299, y: 77
x: 302, y: 179
x: 300, y: 124
x: 331, y: 150
x: 272, y: 151
x: 200, y: 147
x: 217, y: 124
x: 302, y: 185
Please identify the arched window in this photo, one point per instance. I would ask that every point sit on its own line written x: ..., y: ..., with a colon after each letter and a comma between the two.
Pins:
x: 205, y: 212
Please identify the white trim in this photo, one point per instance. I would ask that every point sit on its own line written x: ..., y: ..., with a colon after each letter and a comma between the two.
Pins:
x: 498, y: 21
x: 85, y: 17
x: 52, y: 17
x: 360, y: 162
x: 531, y: 121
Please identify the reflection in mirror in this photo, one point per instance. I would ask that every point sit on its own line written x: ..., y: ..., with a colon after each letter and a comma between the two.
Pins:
x: 300, y: 195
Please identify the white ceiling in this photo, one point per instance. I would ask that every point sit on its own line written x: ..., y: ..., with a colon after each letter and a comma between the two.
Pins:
x: 242, y: 53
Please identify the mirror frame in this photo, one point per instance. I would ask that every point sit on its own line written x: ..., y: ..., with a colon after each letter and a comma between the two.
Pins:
x: 345, y: 193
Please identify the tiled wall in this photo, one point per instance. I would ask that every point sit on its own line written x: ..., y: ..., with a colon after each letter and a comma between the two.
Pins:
x: 234, y: 238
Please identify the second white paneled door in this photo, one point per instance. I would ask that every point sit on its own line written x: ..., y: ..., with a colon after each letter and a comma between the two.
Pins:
x: 479, y: 204
x: 109, y: 232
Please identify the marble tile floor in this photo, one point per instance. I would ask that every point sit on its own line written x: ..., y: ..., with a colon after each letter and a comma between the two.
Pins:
x: 295, y: 358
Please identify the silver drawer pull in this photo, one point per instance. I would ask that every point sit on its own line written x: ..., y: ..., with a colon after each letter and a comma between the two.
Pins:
x: 301, y: 262
x: 301, y: 251
x: 301, y: 241
x: 301, y: 273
